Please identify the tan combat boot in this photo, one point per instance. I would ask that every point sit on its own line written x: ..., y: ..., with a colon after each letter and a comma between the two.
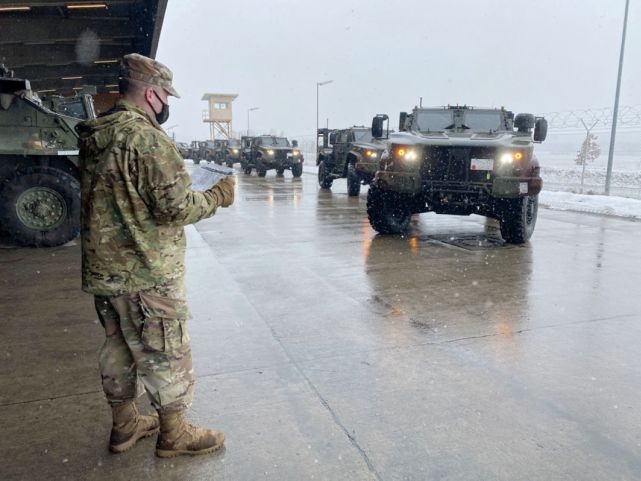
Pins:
x: 179, y: 437
x: 129, y: 426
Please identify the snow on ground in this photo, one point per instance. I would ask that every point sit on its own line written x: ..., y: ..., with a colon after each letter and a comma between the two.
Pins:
x: 592, y: 204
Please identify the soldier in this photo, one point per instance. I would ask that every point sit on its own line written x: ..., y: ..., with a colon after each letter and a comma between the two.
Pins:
x: 136, y: 198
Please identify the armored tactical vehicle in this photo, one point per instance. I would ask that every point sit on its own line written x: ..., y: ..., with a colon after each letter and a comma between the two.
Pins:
x: 233, y: 152
x: 459, y: 161
x: 39, y: 177
x: 348, y: 153
x: 271, y: 152
x: 217, y: 151
x: 245, y: 153
x: 183, y: 148
x: 198, y: 151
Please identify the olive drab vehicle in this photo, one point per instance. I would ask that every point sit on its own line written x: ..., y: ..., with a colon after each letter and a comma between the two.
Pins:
x: 39, y: 177
x: 271, y: 152
x: 459, y: 161
x: 217, y: 151
x: 233, y: 151
x: 348, y: 153
x: 245, y: 153
x: 198, y: 151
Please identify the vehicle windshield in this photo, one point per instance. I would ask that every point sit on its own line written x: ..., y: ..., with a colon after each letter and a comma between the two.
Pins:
x: 363, y: 135
x: 433, y: 120
x: 235, y: 143
x: 277, y: 141
x: 483, y: 121
x: 72, y: 108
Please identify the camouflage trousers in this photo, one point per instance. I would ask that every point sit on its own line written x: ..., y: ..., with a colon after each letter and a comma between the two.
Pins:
x: 147, y: 341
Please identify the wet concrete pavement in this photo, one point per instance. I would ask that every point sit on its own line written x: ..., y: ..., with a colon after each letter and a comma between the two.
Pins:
x: 325, y: 351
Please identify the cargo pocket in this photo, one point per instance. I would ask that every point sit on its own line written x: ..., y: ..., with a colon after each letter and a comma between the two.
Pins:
x: 163, y: 327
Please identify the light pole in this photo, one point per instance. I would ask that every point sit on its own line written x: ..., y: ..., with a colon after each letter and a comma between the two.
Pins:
x: 250, y: 110
x: 318, y: 84
x: 615, y: 112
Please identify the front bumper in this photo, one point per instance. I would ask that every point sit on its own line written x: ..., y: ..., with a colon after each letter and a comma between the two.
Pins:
x: 412, y: 183
x: 366, y: 168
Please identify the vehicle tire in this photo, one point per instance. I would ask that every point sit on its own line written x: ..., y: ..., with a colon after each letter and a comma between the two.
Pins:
x: 230, y: 164
x: 388, y: 212
x: 297, y: 170
x: 247, y: 170
x: 261, y: 171
x: 517, y: 218
x: 323, y: 180
x: 353, y: 182
x: 196, y: 161
x: 40, y: 207
x: 280, y: 172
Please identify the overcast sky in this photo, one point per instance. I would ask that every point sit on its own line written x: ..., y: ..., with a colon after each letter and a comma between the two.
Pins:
x: 529, y: 56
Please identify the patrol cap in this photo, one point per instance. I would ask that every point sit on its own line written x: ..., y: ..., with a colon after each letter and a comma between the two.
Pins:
x: 148, y: 70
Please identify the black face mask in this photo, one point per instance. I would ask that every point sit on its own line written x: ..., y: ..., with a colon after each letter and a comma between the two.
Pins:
x: 163, y: 115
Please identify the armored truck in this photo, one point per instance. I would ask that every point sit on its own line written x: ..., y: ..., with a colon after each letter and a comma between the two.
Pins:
x: 39, y: 177
x: 459, y: 161
x: 233, y: 152
x: 348, y: 153
x: 271, y: 152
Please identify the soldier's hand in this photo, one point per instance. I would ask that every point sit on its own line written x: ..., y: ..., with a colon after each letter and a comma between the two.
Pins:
x: 224, y: 191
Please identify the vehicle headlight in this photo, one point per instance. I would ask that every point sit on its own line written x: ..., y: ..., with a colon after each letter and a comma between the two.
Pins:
x: 235, y: 151
x: 371, y: 154
x: 407, y: 154
x: 506, y: 158
x: 270, y: 152
x: 296, y: 153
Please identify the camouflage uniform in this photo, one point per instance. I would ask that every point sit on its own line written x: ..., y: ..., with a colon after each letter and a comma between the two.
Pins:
x: 136, y: 198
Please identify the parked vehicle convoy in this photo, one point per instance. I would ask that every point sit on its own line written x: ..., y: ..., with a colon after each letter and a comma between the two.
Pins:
x: 268, y: 152
x: 459, y: 161
x: 217, y: 151
x: 348, y: 153
x: 39, y: 176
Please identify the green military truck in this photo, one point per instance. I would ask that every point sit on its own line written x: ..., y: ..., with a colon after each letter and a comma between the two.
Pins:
x: 270, y: 152
x: 351, y: 153
x: 197, y: 151
x: 39, y: 177
x: 459, y: 161
x: 233, y: 152
x: 216, y: 151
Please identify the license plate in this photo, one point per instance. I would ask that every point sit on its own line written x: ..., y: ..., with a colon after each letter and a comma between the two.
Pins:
x: 523, y: 188
x: 482, y: 164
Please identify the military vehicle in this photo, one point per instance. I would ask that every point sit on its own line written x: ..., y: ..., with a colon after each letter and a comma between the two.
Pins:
x: 459, y: 161
x: 217, y: 151
x: 197, y: 151
x: 245, y: 153
x: 183, y: 148
x: 348, y: 153
x: 233, y: 152
x: 270, y: 152
x: 39, y: 177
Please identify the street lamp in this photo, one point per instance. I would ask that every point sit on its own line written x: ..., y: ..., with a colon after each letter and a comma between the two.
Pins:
x: 318, y: 84
x: 250, y: 110
x: 615, y: 112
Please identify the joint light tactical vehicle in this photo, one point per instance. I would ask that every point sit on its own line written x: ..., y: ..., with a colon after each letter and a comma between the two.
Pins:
x: 39, y: 177
x: 271, y: 152
x: 460, y: 161
x: 233, y: 152
x: 349, y: 153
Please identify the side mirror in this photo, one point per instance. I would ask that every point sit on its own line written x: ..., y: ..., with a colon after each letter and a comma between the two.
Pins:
x: 332, y: 138
x: 377, y: 125
x: 524, y: 123
x: 401, y: 122
x: 294, y: 143
x: 540, y: 129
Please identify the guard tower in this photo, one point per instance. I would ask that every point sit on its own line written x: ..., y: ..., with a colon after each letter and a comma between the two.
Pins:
x: 219, y: 115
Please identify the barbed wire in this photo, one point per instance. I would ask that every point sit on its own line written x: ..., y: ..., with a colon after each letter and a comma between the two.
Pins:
x: 629, y: 118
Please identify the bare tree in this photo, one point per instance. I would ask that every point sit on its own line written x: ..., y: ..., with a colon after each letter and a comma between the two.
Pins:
x: 588, y: 153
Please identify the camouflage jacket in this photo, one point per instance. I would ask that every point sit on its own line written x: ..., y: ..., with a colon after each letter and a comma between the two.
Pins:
x: 136, y: 198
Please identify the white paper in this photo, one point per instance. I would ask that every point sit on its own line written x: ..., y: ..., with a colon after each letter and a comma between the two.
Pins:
x: 206, y: 176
